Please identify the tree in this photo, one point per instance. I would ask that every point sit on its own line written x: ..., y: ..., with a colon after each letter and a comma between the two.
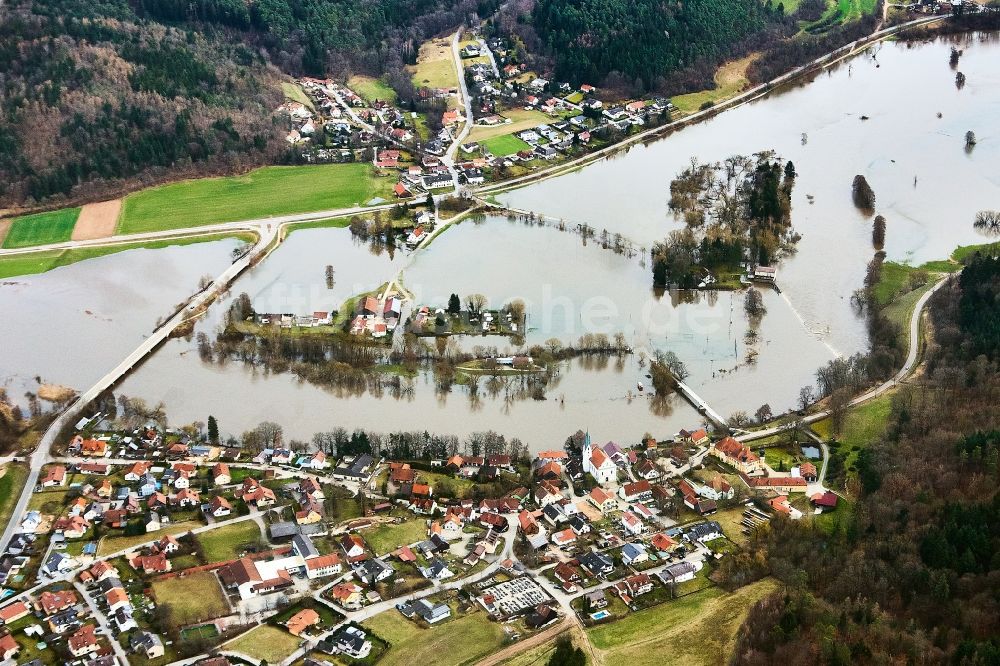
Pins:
x: 839, y: 402
x: 476, y: 302
x: 864, y: 196
x: 213, y: 430
x: 753, y: 303
x: 805, y: 397
x: 970, y: 139
x: 790, y: 171
x: 567, y: 655
x: 878, y: 232
x: 739, y: 419
x: 329, y: 273
x: 454, y: 304
x: 763, y: 413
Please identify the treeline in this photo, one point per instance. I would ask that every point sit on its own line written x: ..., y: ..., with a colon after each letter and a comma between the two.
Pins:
x: 94, y: 100
x: 650, y: 44
x: 320, y: 37
x: 910, y: 572
x: 791, y: 53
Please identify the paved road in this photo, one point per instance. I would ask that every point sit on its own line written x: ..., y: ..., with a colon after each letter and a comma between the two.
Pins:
x: 105, y: 626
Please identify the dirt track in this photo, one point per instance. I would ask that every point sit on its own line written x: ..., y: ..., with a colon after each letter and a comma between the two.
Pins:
x: 97, y: 220
x: 523, y: 646
x: 4, y: 226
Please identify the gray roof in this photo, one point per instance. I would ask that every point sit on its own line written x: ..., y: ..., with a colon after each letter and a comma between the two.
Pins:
x: 701, y: 530
x: 668, y: 574
x: 281, y: 530
x: 304, y: 546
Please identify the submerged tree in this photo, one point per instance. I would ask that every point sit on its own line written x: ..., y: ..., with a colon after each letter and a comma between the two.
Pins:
x: 878, y: 232
x: 864, y: 196
x: 753, y: 303
x: 970, y: 139
x: 329, y: 273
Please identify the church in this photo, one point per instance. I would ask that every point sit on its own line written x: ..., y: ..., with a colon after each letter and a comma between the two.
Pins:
x: 597, y: 463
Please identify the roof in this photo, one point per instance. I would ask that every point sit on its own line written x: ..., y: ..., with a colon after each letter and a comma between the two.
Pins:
x: 598, y: 458
x: 599, y: 496
x: 322, y: 562
x: 301, y: 621
x: 637, y: 488
x: 241, y: 571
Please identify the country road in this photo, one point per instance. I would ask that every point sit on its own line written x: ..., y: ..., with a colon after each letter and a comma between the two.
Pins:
x: 908, y: 366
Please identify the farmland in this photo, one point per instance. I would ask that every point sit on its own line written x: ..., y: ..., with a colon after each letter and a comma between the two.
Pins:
x: 520, y: 119
x: 371, y: 89
x: 435, y: 66
x: 262, y: 193
x: 41, y: 228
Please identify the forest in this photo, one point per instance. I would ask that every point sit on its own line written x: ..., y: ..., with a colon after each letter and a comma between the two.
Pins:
x: 908, y: 572
x: 92, y: 99
x: 668, y: 46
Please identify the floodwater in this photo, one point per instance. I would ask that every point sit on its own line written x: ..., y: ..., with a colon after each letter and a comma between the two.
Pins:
x: 927, y: 186
x: 69, y: 325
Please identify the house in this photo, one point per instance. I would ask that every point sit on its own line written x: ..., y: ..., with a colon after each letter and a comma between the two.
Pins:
x: 123, y: 620
x: 315, y: 461
x: 631, y: 523
x: 255, y: 494
x: 597, y: 599
x: 639, y: 491
x: 71, y: 527
x: 116, y: 598
x: 717, y: 489
x: 53, y: 602
x: 764, y: 274
x: 221, y: 475
x: 105, y: 489
x: 677, y: 573
x: 94, y: 448
x: 597, y: 564
x: 347, y: 595
x: 353, y: 547
x: 352, y: 641
x: 148, y: 485
x: 54, y: 476
x: 646, y: 469
x: 736, y: 454
x: 310, y: 513
x: 102, y: 571
x: 662, y: 543
x: 564, y: 537
x: 436, y: 570
x: 358, y: 468
x: 597, y: 463
x: 152, y: 564
x: 186, y: 497
x: 634, y: 553
x: 808, y: 472
x: 298, y: 623
x: 13, y: 612
x: 704, y: 531
x: 147, y: 643
x: 323, y: 565
x: 429, y: 611
x: 244, y: 577
x: 546, y: 493
x: 8, y: 646
x: 698, y: 437
x: 634, y: 586
x: 401, y: 191
x: 549, y: 471
x: 779, y: 484
x: 374, y: 570
x: 546, y: 456
x: 303, y: 547
x: 83, y: 641
x: 153, y: 522
x: 603, y: 500
x: 167, y: 544
x: 528, y: 524
x: 824, y: 501
x: 542, y: 615
x: 57, y: 564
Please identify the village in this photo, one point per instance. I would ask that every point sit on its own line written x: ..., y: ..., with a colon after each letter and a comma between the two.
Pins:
x: 519, y: 122
x: 308, y: 555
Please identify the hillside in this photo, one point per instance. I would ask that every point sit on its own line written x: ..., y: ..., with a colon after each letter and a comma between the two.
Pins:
x: 102, y: 96
x: 92, y: 97
x: 909, y: 567
x: 650, y: 42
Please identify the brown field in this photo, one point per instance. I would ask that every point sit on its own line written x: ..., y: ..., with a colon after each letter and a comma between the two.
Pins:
x: 97, y: 220
x: 4, y: 226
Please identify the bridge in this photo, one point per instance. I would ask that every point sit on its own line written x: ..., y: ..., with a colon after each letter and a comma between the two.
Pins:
x: 698, y: 403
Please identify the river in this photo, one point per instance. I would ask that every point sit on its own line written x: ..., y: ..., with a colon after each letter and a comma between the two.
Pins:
x: 571, y: 288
